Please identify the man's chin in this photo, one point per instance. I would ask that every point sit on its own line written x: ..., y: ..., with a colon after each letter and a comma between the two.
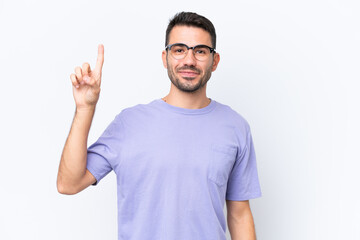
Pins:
x: 189, y: 87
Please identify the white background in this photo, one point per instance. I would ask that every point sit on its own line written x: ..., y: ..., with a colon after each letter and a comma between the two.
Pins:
x: 291, y: 68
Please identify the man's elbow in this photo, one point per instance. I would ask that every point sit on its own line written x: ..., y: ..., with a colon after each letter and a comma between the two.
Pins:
x: 66, y: 189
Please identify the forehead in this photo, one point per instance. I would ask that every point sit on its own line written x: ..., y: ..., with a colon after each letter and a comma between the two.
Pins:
x: 189, y: 35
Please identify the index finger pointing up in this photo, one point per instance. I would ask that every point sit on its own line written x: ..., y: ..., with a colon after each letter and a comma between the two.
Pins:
x: 100, y: 58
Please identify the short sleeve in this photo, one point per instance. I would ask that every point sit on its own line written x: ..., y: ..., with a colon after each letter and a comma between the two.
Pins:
x: 243, y: 183
x: 104, y: 153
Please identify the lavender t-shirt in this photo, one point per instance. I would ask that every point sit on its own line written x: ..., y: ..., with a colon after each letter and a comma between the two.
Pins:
x: 175, y: 167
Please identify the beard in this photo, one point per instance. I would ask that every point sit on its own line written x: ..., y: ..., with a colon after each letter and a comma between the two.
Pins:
x: 188, y: 85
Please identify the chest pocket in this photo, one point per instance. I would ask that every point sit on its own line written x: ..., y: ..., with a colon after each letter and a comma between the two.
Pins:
x: 221, y: 162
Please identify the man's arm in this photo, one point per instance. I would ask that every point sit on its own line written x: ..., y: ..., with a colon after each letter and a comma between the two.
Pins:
x: 240, y: 220
x: 73, y: 176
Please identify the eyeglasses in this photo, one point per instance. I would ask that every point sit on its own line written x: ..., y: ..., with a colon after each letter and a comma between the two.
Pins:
x: 180, y: 50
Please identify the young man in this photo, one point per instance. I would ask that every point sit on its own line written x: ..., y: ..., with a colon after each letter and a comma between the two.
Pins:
x: 177, y: 158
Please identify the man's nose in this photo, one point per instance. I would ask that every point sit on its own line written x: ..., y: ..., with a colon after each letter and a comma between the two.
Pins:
x: 190, y: 58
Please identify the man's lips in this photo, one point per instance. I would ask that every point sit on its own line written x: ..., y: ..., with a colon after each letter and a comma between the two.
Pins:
x: 188, y: 73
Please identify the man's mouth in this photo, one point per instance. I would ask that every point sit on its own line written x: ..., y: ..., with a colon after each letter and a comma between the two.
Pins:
x: 188, y: 74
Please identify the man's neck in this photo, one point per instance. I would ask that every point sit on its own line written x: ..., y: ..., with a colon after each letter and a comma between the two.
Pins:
x: 187, y: 100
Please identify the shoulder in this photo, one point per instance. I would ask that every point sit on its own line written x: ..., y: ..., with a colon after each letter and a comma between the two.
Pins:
x: 135, y: 112
x: 234, y: 118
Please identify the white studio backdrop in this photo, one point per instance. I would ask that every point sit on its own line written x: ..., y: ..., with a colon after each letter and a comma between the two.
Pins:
x: 291, y: 68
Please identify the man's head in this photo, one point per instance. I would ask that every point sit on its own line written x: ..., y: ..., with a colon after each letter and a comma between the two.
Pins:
x: 191, y: 20
x: 190, y: 69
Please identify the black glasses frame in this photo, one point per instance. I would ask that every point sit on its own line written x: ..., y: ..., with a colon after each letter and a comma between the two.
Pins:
x: 168, y: 47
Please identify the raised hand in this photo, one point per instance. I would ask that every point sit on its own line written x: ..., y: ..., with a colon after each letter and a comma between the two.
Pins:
x: 86, y: 82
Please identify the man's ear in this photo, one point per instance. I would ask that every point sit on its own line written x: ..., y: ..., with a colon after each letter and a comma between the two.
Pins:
x: 216, y: 61
x: 163, y: 56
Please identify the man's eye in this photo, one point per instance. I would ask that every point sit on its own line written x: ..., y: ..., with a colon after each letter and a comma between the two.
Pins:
x: 179, y: 50
x: 201, y: 51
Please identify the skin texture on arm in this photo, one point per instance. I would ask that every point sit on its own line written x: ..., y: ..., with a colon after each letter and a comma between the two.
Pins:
x: 240, y: 220
x: 73, y: 176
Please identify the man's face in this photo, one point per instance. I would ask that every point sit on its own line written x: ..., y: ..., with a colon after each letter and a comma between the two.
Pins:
x: 189, y: 74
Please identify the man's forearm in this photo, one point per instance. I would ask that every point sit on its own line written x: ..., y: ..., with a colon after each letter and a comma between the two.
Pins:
x: 242, y: 228
x: 73, y: 160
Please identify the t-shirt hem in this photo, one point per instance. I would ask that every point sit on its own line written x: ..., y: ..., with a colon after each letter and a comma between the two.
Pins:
x: 93, y: 172
x: 234, y: 197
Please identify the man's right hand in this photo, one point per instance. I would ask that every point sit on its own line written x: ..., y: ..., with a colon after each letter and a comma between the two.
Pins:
x: 86, y: 82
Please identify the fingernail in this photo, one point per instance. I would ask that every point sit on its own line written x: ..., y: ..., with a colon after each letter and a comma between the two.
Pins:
x: 86, y: 79
x: 77, y: 86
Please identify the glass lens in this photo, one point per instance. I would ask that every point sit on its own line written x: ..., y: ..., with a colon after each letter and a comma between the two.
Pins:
x: 178, y: 51
x: 202, y: 53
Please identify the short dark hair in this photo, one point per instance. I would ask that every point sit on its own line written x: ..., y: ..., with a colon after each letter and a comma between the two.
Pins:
x: 193, y: 20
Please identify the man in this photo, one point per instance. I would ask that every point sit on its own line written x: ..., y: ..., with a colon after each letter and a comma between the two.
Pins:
x: 178, y: 158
